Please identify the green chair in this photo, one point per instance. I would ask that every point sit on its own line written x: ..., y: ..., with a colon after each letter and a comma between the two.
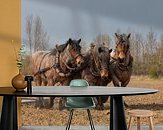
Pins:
x: 79, y: 102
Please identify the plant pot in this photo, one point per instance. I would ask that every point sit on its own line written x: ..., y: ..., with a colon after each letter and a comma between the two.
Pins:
x: 18, y: 82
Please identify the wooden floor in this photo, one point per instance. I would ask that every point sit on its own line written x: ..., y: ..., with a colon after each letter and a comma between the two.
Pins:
x: 157, y: 127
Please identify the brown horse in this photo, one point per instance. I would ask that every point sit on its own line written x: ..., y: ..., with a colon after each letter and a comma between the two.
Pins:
x: 121, y: 64
x: 97, y: 70
x: 57, y: 65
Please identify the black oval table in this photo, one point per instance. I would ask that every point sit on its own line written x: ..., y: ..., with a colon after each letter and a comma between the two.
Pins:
x: 117, y: 113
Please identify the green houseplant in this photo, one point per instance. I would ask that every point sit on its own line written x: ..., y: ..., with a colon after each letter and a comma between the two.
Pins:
x: 20, y: 59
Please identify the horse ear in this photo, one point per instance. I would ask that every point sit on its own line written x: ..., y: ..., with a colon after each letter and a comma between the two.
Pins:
x: 116, y: 35
x: 79, y: 40
x: 110, y: 50
x: 56, y: 45
x: 70, y: 40
x: 128, y: 35
x: 60, y: 48
x: 92, y: 45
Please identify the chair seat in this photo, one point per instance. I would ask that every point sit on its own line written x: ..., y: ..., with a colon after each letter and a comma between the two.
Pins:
x: 79, y: 102
x: 140, y: 113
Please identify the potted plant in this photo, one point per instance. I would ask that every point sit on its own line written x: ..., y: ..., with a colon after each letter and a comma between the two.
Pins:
x: 18, y: 81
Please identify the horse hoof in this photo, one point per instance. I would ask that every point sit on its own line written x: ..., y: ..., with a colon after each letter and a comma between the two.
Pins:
x: 39, y: 105
x: 48, y: 107
x: 61, y: 104
x: 61, y: 107
x: 51, y: 105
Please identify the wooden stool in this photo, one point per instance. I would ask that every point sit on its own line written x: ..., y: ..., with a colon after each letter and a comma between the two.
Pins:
x: 138, y: 114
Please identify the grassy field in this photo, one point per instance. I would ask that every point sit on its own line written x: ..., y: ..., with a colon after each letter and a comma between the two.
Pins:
x: 154, y: 102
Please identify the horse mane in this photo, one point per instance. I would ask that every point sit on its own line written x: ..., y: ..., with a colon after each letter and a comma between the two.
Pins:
x: 87, y: 59
x: 61, y: 48
x: 53, y: 51
x: 95, y: 48
x: 58, y: 48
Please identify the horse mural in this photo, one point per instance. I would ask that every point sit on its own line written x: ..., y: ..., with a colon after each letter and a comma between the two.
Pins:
x: 121, y: 61
x: 97, y: 70
x: 58, y: 65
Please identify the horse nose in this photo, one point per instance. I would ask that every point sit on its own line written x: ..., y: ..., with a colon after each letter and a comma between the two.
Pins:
x: 104, y: 73
x: 121, y: 59
x: 79, y: 61
x: 121, y: 55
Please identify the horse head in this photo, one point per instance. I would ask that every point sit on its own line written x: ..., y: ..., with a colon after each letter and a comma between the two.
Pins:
x: 101, y: 57
x: 122, y: 46
x: 72, y: 52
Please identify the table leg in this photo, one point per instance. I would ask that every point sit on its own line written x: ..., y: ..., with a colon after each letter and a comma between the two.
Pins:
x: 117, y: 113
x: 9, y: 113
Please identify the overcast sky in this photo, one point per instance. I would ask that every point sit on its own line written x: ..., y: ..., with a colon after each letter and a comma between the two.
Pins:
x: 85, y: 19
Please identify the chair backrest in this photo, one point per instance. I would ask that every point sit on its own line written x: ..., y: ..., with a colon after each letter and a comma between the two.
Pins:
x: 79, y: 102
x: 79, y: 83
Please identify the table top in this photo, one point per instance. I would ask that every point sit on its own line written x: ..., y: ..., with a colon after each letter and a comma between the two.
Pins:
x: 66, y: 91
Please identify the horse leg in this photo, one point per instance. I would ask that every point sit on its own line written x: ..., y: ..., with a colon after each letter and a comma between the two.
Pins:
x: 103, y: 99
x: 51, y: 83
x: 51, y: 102
x: 99, y: 104
x: 124, y: 84
x: 39, y: 100
x: 115, y: 81
x: 97, y: 100
x: 62, y: 100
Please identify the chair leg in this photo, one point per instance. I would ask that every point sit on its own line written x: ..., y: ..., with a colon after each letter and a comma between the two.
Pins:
x: 130, y: 123
x: 151, y: 123
x: 90, y: 119
x: 69, y: 120
x: 138, y: 123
